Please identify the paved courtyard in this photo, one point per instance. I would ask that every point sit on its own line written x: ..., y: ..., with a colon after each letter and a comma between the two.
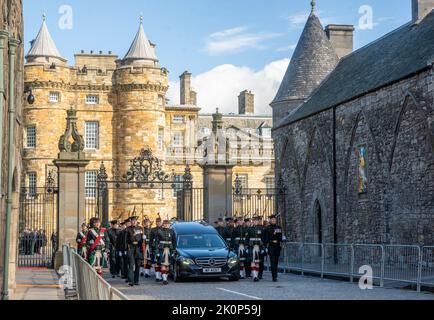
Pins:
x: 289, y: 287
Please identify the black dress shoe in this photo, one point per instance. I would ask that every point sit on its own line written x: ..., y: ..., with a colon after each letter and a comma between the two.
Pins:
x: 142, y: 274
x: 147, y: 276
x: 136, y: 283
x: 274, y: 279
x: 165, y: 282
x: 255, y: 279
x: 131, y: 284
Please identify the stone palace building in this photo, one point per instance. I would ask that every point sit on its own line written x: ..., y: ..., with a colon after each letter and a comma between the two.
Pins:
x: 122, y: 108
x: 355, y: 143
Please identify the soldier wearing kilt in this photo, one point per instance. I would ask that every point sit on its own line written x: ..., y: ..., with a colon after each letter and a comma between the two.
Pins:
x: 147, y: 247
x: 239, y: 241
x: 96, y: 245
x: 81, y: 241
x: 154, y: 250
x: 257, y: 250
x: 166, y: 243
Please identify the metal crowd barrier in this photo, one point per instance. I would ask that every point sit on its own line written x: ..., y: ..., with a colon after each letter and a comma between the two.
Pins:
x: 87, y: 283
x: 390, y: 264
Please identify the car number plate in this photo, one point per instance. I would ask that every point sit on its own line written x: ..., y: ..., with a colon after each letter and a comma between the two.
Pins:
x: 212, y: 270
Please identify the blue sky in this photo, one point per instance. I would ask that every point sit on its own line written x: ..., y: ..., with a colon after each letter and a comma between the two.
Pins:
x: 208, y: 37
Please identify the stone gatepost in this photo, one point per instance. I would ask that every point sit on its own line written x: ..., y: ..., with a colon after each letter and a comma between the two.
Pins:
x: 71, y: 164
x: 217, y: 180
x: 217, y: 173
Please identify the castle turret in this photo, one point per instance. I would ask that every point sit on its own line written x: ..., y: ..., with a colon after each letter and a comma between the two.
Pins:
x: 140, y: 85
x: 313, y: 59
x: 43, y: 49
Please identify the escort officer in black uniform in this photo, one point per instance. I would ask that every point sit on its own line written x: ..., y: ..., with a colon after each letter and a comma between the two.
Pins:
x: 259, y: 224
x: 147, y: 261
x: 135, y: 255
x: 166, y: 244
x: 154, y: 251
x: 228, y: 231
x: 239, y: 240
x: 247, y: 264
x: 122, y: 249
x: 220, y: 226
x: 113, y: 234
x: 256, y: 247
x: 273, y: 240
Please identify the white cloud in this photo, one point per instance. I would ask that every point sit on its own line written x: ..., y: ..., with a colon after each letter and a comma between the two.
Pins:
x: 220, y: 86
x: 236, y: 40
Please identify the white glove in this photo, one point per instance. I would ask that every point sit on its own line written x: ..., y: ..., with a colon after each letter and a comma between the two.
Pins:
x: 283, y: 238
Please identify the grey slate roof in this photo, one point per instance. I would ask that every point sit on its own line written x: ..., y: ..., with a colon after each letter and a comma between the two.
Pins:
x: 141, y: 48
x: 401, y: 53
x: 313, y: 59
x: 43, y: 45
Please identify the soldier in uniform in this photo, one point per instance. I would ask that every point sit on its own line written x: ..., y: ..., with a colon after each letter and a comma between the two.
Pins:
x: 135, y: 255
x: 121, y: 249
x: 256, y: 247
x: 228, y: 231
x: 115, y: 260
x: 273, y: 240
x: 220, y: 226
x: 147, y: 262
x: 259, y: 224
x: 247, y: 264
x: 96, y: 245
x: 239, y: 241
x: 154, y: 251
x: 81, y: 241
x: 166, y: 243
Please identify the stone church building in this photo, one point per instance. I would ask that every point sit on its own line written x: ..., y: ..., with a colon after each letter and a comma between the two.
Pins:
x: 355, y: 146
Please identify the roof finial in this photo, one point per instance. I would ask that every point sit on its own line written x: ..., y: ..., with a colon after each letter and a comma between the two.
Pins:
x: 44, y: 15
x: 313, y: 4
x: 141, y: 17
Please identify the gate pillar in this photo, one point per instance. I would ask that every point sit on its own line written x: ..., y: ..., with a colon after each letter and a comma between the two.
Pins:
x: 217, y: 183
x: 71, y: 164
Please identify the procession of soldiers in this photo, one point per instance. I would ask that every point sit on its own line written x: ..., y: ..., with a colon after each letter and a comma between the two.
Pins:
x: 130, y: 250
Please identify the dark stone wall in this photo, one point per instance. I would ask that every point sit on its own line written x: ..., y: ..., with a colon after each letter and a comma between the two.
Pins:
x: 395, y: 125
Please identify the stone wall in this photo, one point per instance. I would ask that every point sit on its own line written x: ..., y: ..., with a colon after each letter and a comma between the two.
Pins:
x: 395, y: 125
x: 11, y: 14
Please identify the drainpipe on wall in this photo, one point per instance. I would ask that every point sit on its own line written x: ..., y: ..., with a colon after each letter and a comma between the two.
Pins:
x: 3, y: 36
x: 13, y: 44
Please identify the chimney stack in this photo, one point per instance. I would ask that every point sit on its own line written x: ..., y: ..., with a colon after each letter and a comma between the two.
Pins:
x: 246, y: 102
x: 341, y: 37
x: 188, y: 95
x: 420, y: 9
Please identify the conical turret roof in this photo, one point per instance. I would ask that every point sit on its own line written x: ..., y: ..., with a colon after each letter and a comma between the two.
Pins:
x: 141, y: 48
x: 313, y: 59
x: 43, y: 45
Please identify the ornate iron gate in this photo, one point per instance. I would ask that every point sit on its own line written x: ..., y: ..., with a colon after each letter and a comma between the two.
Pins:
x: 146, y: 190
x: 249, y: 202
x: 38, y: 216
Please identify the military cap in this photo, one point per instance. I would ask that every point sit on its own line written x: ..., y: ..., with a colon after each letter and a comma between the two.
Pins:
x: 229, y: 219
x: 133, y: 218
x: 127, y: 220
x: 158, y: 219
x: 247, y: 220
x: 220, y: 220
x: 114, y: 222
x: 166, y: 221
x: 273, y: 216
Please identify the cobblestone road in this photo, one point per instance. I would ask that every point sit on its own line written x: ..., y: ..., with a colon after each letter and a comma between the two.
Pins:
x: 289, y: 287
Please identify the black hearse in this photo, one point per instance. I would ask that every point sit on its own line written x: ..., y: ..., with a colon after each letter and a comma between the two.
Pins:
x: 202, y: 253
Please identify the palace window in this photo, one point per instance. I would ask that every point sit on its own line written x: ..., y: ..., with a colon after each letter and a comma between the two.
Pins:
x: 31, y: 137
x: 160, y: 139
x: 178, y: 119
x: 244, y: 179
x: 91, y: 135
x: 177, y: 184
x: 269, y: 184
x: 54, y: 96
x: 92, y: 99
x: 32, y: 183
x: 178, y: 139
x: 91, y: 183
